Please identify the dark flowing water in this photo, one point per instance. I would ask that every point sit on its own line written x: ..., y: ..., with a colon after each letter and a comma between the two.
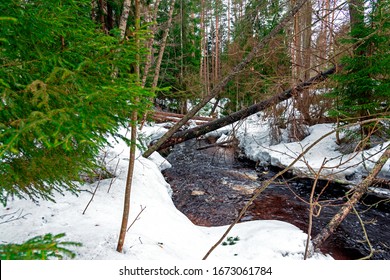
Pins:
x: 211, y: 187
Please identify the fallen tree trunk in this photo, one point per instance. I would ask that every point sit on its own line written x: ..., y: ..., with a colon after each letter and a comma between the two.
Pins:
x: 167, y: 116
x: 359, y: 191
x: 223, y: 144
x: 188, y: 134
x: 221, y: 85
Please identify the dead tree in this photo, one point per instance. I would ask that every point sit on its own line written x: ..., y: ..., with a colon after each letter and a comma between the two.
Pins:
x: 197, y: 131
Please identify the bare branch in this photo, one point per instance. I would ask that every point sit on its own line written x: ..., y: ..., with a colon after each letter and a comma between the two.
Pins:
x: 14, y: 216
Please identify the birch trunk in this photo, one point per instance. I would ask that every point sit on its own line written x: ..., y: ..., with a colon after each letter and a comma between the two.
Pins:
x: 124, y: 17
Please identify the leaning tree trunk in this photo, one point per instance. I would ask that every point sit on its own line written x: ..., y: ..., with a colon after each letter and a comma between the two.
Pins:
x: 221, y: 85
x: 359, y: 191
x: 163, y: 45
x: 211, y: 126
x: 150, y: 42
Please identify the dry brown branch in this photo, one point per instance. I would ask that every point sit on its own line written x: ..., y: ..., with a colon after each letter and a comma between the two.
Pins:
x: 365, y: 235
x: 14, y: 216
x: 311, y: 210
x: 160, y: 116
x: 137, y: 217
x: 97, y: 186
x: 113, y: 178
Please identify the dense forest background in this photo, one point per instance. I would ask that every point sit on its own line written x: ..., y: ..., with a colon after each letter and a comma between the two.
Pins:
x: 72, y: 72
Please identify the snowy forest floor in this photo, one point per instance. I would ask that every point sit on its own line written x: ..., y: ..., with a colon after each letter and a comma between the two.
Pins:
x: 160, y: 231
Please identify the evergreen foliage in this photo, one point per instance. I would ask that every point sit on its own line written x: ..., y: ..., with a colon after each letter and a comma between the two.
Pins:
x: 65, y: 86
x: 363, y: 87
x: 180, y: 66
x: 40, y: 247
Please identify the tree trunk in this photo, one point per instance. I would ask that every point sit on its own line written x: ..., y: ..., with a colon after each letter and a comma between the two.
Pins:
x: 150, y: 42
x: 216, y: 45
x: 221, y: 85
x: 304, y: 100
x: 181, y: 42
x: 133, y: 144
x: 124, y: 17
x: 202, y: 43
x: 163, y: 44
x: 228, y: 32
x: 359, y: 191
x: 211, y: 126
x: 102, y: 14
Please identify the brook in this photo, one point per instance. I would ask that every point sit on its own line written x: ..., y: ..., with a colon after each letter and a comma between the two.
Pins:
x: 211, y: 187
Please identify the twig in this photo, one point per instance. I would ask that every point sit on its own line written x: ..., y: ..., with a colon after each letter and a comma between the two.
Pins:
x: 137, y: 218
x: 113, y: 178
x: 365, y: 235
x: 12, y: 217
x: 97, y: 186
x: 311, y: 210
x: 93, y: 195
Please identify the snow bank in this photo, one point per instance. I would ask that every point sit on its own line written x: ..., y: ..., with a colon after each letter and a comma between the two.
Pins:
x: 255, y: 141
x: 161, y: 231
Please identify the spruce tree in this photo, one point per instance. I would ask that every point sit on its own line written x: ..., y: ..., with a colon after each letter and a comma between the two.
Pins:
x: 65, y: 86
x: 363, y: 87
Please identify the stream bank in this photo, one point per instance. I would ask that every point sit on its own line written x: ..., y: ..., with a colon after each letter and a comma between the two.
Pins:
x: 210, y: 187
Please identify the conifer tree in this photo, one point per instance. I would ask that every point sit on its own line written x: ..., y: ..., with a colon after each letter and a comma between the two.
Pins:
x: 65, y: 85
x: 363, y: 88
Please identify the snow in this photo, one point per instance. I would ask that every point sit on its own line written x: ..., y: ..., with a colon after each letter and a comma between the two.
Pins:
x: 161, y: 232
x: 257, y: 145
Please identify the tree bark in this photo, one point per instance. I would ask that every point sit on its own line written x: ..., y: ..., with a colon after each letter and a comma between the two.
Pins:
x: 163, y: 44
x: 124, y: 17
x: 216, y: 45
x: 133, y: 144
x: 211, y: 126
x: 304, y: 100
x: 359, y: 191
x: 150, y: 42
x: 102, y: 14
x: 221, y: 85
